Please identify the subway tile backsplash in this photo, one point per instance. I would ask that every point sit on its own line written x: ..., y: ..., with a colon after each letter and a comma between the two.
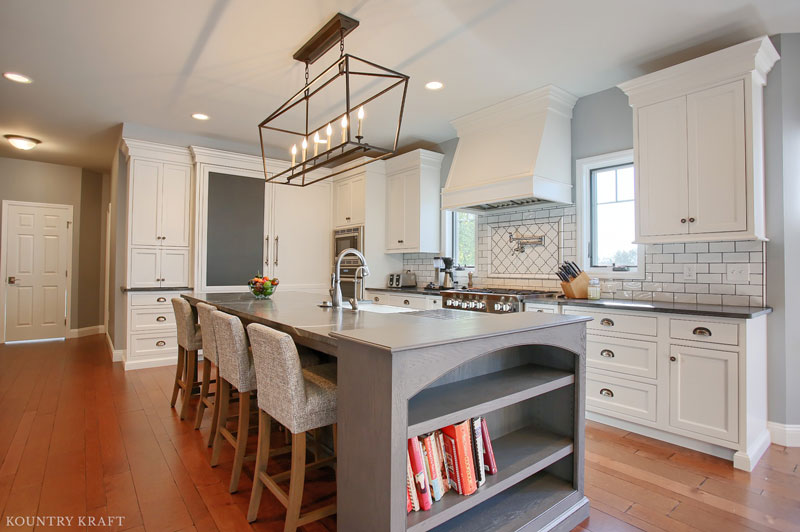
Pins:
x: 664, y: 264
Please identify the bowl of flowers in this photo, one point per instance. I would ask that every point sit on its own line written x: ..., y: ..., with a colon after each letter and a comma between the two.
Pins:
x: 262, y: 287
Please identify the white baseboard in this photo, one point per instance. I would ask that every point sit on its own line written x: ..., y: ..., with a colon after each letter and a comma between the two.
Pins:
x: 117, y: 355
x: 149, y: 363
x: 787, y: 435
x: 86, y: 331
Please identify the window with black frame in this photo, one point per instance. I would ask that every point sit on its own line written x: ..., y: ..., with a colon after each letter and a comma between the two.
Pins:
x: 612, y: 218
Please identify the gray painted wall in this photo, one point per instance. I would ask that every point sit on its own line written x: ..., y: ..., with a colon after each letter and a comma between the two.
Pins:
x: 119, y: 206
x: 782, y: 138
x: 24, y: 180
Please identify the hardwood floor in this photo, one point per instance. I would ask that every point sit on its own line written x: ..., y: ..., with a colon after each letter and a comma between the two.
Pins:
x: 81, y: 437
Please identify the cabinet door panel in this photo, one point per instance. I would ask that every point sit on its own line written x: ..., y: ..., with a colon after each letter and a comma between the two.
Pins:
x: 717, y: 177
x: 661, y: 173
x: 301, y: 256
x: 145, y: 268
x: 342, y: 204
x: 174, y: 267
x: 145, y: 190
x: 703, y: 391
x: 395, y: 212
x: 175, y: 205
x: 357, y: 200
x: 411, y: 220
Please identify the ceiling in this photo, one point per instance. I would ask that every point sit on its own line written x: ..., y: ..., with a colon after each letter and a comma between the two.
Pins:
x: 99, y: 63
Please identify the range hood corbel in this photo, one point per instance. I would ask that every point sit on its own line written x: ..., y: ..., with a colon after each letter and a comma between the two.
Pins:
x: 514, y: 153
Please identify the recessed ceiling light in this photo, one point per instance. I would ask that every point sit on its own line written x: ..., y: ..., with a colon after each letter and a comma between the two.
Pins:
x: 17, y: 77
x: 434, y: 85
x: 200, y: 116
x: 22, y: 143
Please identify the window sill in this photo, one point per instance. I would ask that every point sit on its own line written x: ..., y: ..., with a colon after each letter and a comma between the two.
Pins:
x: 608, y: 274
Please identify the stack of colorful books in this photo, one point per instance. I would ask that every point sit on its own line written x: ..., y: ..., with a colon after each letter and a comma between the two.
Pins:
x: 456, y: 457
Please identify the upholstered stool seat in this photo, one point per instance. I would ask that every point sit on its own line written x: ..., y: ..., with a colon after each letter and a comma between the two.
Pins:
x: 190, y: 341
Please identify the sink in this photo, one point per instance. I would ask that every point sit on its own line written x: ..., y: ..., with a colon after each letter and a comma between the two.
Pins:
x: 368, y: 306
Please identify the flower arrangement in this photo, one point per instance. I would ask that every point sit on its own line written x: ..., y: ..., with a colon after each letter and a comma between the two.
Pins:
x: 262, y: 287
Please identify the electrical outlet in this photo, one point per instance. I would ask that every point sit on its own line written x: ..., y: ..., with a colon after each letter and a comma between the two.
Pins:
x: 690, y: 272
x: 738, y: 273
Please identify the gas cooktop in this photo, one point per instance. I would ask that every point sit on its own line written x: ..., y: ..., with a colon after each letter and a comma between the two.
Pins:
x: 493, y: 300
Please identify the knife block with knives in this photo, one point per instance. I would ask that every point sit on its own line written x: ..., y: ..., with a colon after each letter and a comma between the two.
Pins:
x: 574, y: 281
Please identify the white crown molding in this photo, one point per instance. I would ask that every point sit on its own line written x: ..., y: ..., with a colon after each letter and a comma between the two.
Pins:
x: 201, y: 155
x: 413, y: 159
x: 787, y: 435
x: 162, y: 152
x: 756, y: 57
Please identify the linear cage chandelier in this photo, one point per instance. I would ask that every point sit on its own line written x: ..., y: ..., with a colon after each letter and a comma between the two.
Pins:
x: 347, y: 116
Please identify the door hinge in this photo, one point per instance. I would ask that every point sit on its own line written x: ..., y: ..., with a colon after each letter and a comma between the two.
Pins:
x: 66, y: 273
x: 68, y: 224
x: 65, y: 321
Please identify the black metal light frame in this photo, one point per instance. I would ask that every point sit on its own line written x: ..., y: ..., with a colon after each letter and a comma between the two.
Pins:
x: 346, y: 66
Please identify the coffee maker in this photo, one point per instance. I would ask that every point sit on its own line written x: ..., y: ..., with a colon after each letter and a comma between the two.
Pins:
x: 444, y: 265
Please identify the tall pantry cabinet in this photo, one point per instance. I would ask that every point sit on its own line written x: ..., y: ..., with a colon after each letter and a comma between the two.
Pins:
x: 158, y: 247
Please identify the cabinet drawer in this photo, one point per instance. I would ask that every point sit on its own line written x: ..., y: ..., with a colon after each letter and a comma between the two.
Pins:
x: 704, y: 331
x: 151, y: 300
x: 147, y: 319
x: 545, y: 309
x: 625, y: 323
x: 613, y: 394
x: 433, y: 302
x: 378, y: 298
x: 632, y: 357
x: 153, y: 346
x: 408, y: 301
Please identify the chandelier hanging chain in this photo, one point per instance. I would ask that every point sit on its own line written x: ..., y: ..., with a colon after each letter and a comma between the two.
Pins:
x: 306, y: 78
x: 341, y: 43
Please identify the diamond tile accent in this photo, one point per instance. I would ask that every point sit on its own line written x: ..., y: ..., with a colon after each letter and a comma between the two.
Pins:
x: 535, y: 262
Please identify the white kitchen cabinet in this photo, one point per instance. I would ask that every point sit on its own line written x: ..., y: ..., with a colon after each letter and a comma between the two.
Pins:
x: 174, y: 266
x: 176, y: 196
x: 413, y: 184
x: 703, y: 389
x: 698, y: 146
x: 158, y: 268
x: 159, y: 203
x: 348, y: 200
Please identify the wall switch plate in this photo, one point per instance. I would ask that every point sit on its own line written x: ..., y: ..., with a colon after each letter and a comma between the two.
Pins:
x: 738, y: 272
x: 690, y: 272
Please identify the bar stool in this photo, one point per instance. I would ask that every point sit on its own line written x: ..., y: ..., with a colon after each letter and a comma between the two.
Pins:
x: 301, y: 400
x: 189, y: 342
x: 208, y: 399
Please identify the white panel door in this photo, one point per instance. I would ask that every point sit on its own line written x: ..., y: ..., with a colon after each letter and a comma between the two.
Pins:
x: 717, y: 176
x: 343, y: 203
x: 145, y: 268
x: 175, y: 204
x: 301, y: 252
x: 703, y: 391
x: 661, y: 174
x: 174, y: 267
x: 145, y: 203
x: 37, y: 262
x: 395, y: 212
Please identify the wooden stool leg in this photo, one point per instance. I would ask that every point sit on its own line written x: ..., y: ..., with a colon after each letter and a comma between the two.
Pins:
x: 296, y: 482
x: 262, y: 457
x: 241, y: 440
x: 191, y: 368
x: 215, y: 414
x: 178, y: 377
x: 201, y: 406
x: 223, y: 398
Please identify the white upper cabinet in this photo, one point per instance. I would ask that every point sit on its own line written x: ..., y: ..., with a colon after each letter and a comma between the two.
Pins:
x: 160, y: 203
x: 413, y: 200
x: 698, y: 146
x: 176, y: 195
x: 349, y: 201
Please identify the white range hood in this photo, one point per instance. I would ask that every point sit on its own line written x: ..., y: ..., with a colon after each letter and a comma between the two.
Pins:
x: 516, y: 152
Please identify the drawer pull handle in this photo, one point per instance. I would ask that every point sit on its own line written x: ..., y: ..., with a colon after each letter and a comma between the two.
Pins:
x: 161, y: 318
x: 608, y: 353
x: 406, y: 302
x: 605, y: 322
x: 161, y: 300
x: 161, y: 343
x: 672, y: 359
x: 701, y: 331
x: 606, y: 392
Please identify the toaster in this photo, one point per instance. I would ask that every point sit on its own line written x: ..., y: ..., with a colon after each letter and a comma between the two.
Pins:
x: 408, y: 279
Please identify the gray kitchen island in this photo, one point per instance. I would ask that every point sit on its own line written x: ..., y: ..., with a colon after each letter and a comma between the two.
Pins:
x: 402, y: 375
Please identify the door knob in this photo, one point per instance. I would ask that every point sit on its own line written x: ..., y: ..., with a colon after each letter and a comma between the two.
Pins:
x: 12, y: 280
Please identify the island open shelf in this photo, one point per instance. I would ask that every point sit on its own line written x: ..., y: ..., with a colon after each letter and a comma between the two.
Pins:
x: 519, y: 455
x: 446, y: 404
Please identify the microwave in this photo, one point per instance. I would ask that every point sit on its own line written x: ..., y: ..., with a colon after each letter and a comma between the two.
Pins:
x: 351, y: 237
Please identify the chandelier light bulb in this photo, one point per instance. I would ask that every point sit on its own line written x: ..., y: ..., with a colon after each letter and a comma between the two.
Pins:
x: 329, y: 132
x: 316, y: 143
x: 360, y: 121
x: 305, y: 147
x: 344, y: 129
x: 294, y: 153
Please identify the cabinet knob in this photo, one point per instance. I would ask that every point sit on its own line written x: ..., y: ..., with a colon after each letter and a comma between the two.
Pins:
x: 161, y: 343
x: 161, y: 318
x: 399, y: 241
x: 701, y: 331
x: 605, y: 322
x: 683, y: 220
x: 606, y: 392
x: 691, y: 220
x: 406, y: 302
x: 347, y: 218
x: 608, y: 353
x: 672, y: 359
x: 161, y: 300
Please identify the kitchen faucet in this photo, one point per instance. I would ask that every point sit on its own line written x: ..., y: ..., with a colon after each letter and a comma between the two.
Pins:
x: 336, y: 281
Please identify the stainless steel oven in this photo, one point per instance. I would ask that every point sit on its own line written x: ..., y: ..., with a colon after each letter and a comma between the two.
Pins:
x: 351, y: 277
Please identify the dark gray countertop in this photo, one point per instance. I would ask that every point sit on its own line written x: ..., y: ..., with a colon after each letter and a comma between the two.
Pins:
x: 718, y: 311
x: 298, y: 314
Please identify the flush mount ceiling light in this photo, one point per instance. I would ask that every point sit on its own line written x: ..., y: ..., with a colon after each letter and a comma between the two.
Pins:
x: 17, y: 77
x: 324, y: 124
x: 200, y: 116
x: 22, y: 143
x: 434, y: 85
